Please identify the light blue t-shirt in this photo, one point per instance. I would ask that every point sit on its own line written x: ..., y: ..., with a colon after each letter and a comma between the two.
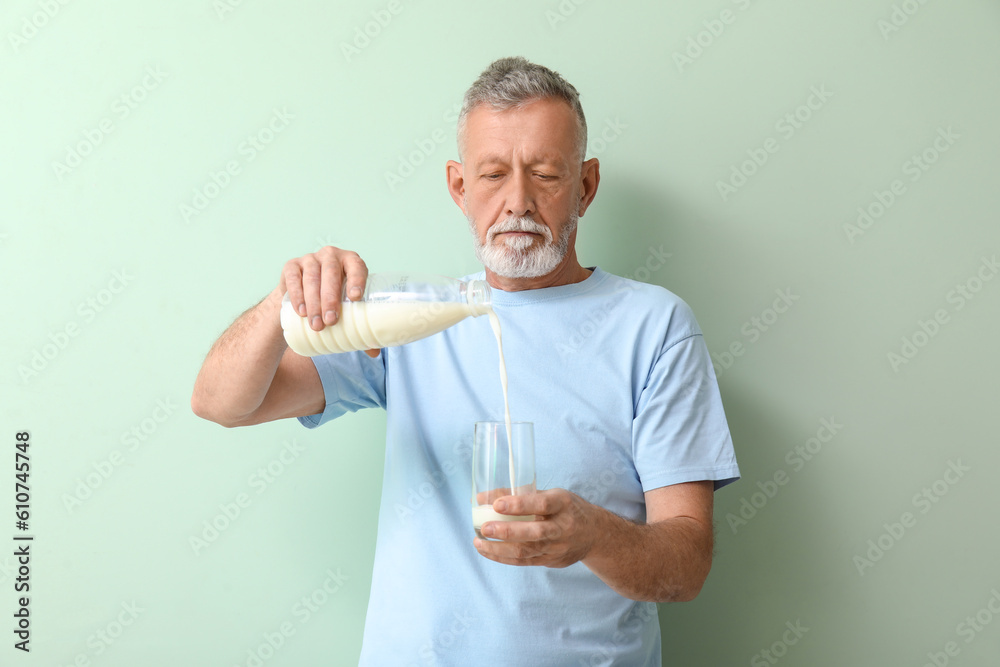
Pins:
x: 618, y: 381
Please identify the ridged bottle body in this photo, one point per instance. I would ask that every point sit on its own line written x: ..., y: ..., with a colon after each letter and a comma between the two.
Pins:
x: 395, y: 309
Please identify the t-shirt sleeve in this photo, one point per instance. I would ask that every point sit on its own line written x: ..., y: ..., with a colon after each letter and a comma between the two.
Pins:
x: 680, y: 433
x: 351, y: 381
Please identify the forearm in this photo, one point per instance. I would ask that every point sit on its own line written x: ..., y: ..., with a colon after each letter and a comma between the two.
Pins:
x: 667, y: 561
x: 241, y: 365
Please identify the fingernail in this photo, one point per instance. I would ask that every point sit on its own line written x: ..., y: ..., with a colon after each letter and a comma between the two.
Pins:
x: 316, y: 322
x: 355, y: 291
x: 500, y: 505
x: 331, y: 317
x: 487, y: 530
x: 302, y: 310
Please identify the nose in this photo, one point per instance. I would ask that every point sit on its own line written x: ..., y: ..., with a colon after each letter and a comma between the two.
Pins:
x: 519, y: 197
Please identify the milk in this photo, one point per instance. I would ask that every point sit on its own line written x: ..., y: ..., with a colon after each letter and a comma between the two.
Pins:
x: 495, y: 324
x: 483, y: 513
x: 366, y: 326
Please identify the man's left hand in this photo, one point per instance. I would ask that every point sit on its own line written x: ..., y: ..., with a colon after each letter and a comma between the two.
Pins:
x: 564, y: 530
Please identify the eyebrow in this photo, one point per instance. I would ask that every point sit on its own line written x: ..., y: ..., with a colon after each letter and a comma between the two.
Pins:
x: 552, y: 161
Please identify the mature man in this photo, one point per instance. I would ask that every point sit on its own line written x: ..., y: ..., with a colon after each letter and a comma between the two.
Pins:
x: 630, y: 436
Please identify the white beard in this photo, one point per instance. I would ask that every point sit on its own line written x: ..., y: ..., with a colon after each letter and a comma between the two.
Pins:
x: 520, y: 256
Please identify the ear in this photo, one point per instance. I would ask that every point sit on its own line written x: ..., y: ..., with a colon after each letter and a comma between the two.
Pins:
x: 590, y: 176
x: 455, y: 175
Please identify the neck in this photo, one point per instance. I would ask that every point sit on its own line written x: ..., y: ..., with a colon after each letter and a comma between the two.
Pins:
x: 568, y: 272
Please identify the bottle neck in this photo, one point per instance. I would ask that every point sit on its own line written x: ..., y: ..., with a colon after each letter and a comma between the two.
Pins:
x: 477, y: 294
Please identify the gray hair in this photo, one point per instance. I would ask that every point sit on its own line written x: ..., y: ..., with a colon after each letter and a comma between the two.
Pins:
x: 513, y: 82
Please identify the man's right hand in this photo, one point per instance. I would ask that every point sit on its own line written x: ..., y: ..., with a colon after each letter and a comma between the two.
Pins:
x: 317, y: 282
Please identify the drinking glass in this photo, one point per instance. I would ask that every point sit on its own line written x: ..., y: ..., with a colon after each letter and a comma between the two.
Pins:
x: 496, y: 473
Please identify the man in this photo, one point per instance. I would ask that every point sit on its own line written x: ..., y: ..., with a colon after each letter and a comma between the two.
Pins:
x: 630, y: 436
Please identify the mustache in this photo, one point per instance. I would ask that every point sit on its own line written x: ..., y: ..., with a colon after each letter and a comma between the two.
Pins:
x: 518, y: 224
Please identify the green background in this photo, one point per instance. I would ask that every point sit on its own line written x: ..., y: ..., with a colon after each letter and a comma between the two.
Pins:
x: 82, y: 378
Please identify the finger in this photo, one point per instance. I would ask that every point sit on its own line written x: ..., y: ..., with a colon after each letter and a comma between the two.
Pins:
x: 372, y: 353
x: 509, y: 554
x: 522, y: 531
x: 311, y: 282
x: 356, y: 272
x: 291, y: 282
x: 483, y: 497
x: 487, y: 497
x: 542, y: 503
x: 331, y: 280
